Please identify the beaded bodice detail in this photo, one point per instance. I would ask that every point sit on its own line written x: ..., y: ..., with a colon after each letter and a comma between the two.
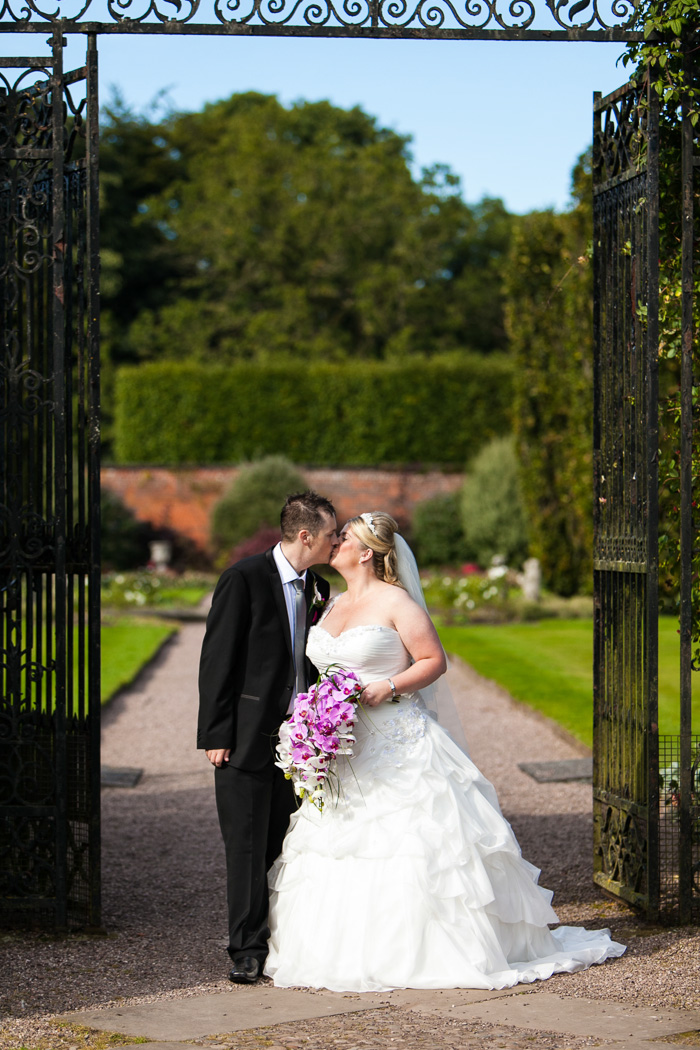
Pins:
x: 374, y: 652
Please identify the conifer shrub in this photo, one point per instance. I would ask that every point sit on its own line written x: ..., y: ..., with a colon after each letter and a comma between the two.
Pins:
x: 437, y: 531
x: 493, y: 511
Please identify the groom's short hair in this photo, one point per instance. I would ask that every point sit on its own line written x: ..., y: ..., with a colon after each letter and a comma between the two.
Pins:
x: 304, y: 510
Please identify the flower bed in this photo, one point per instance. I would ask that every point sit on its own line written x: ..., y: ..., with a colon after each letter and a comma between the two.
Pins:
x: 470, y: 595
x: 137, y: 590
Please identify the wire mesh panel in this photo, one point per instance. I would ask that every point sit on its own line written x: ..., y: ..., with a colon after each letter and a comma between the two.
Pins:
x: 49, y: 493
x: 671, y: 802
x: 625, y: 785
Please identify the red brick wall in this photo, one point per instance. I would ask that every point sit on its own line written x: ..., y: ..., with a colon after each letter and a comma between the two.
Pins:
x: 182, y: 499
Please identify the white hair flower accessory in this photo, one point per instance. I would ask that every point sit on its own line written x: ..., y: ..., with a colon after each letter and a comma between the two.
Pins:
x: 369, y: 522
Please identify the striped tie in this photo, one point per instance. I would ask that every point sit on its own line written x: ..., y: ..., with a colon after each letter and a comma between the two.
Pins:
x: 299, y: 635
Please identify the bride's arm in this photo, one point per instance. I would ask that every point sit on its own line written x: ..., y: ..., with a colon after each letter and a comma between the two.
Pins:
x: 420, y: 638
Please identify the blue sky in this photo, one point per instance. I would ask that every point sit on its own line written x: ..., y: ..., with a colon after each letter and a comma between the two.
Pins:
x: 509, y: 117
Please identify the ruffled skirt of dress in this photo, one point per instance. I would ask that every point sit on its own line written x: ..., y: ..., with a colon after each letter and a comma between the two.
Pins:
x: 414, y: 880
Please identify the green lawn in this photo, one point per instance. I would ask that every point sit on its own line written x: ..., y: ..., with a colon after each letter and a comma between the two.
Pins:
x: 127, y: 644
x: 548, y: 665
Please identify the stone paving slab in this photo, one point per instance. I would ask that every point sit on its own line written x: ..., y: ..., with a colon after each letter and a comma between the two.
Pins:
x: 123, y: 777
x: 544, y: 1011
x: 558, y: 772
x: 439, y: 1000
x: 234, y: 1011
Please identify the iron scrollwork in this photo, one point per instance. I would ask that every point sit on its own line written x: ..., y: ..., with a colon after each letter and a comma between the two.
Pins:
x: 589, y: 14
x: 378, y: 17
x: 623, y: 849
x: 25, y: 194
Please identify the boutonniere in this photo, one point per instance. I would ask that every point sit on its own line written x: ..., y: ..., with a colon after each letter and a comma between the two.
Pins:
x: 317, y: 605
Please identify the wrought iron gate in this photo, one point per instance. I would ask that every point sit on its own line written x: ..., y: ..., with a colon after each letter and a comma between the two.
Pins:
x: 49, y: 491
x: 625, y: 721
x: 645, y: 784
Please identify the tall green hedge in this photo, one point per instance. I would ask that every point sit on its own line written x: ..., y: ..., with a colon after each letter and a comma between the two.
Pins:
x: 358, y: 414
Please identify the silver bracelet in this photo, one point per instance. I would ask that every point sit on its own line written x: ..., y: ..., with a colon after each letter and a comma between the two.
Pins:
x: 394, y: 697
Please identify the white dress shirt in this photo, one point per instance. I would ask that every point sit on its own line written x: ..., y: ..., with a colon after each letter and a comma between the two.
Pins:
x: 287, y: 575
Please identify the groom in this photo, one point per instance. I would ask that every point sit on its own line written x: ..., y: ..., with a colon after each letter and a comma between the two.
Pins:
x: 253, y: 665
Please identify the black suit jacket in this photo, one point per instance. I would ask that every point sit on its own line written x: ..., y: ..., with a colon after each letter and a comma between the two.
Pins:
x: 246, y: 672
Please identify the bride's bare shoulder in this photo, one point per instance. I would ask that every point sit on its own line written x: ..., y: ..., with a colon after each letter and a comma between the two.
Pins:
x: 399, y: 599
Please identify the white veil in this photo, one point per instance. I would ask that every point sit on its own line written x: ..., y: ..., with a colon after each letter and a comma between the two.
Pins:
x: 437, y: 697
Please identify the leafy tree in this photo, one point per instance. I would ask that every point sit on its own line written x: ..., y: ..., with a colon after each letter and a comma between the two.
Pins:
x: 549, y: 316
x: 138, y: 268
x: 252, y: 231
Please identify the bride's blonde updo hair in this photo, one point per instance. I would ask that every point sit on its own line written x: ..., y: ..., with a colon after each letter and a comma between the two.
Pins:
x: 376, y: 530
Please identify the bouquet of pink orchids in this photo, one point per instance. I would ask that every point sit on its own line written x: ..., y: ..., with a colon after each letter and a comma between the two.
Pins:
x: 319, y: 728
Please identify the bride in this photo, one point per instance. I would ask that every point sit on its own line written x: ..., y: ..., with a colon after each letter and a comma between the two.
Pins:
x: 413, y: 878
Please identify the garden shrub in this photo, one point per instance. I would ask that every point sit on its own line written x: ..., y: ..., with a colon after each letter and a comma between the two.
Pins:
x: 258, y: 543
x: 123, y: 539
x: 438, y: 411
x: 493, y: 511
x: 254, y: 501
x: 437, y: 532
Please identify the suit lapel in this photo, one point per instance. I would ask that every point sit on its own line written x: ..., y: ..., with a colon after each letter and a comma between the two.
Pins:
x: 278, y: 595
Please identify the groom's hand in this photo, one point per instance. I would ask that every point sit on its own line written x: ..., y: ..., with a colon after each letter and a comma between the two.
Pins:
x: 219, y: 756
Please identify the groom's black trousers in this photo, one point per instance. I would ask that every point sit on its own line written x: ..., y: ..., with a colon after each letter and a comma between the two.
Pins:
x: 254, y: 810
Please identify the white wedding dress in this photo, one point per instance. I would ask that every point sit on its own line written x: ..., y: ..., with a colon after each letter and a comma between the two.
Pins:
x: 413, y: 879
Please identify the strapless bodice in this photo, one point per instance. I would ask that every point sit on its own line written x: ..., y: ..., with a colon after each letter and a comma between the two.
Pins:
x: 372, y: 651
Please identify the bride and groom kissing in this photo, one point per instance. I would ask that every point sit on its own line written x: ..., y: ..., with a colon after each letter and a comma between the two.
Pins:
x: 411, y: 877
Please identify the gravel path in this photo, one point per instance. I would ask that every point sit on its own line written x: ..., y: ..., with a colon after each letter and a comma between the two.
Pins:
x: 164, y: 908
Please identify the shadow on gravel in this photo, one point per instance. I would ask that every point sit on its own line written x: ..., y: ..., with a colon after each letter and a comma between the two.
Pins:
x: 561, y: 845
x: 163, y: 858
x: 164, y: 910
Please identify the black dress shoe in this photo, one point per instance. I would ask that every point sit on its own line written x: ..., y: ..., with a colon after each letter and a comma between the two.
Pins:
x: 246, y: 970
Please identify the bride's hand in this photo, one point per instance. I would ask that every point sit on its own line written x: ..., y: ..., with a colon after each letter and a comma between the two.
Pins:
x: 376, y: 693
